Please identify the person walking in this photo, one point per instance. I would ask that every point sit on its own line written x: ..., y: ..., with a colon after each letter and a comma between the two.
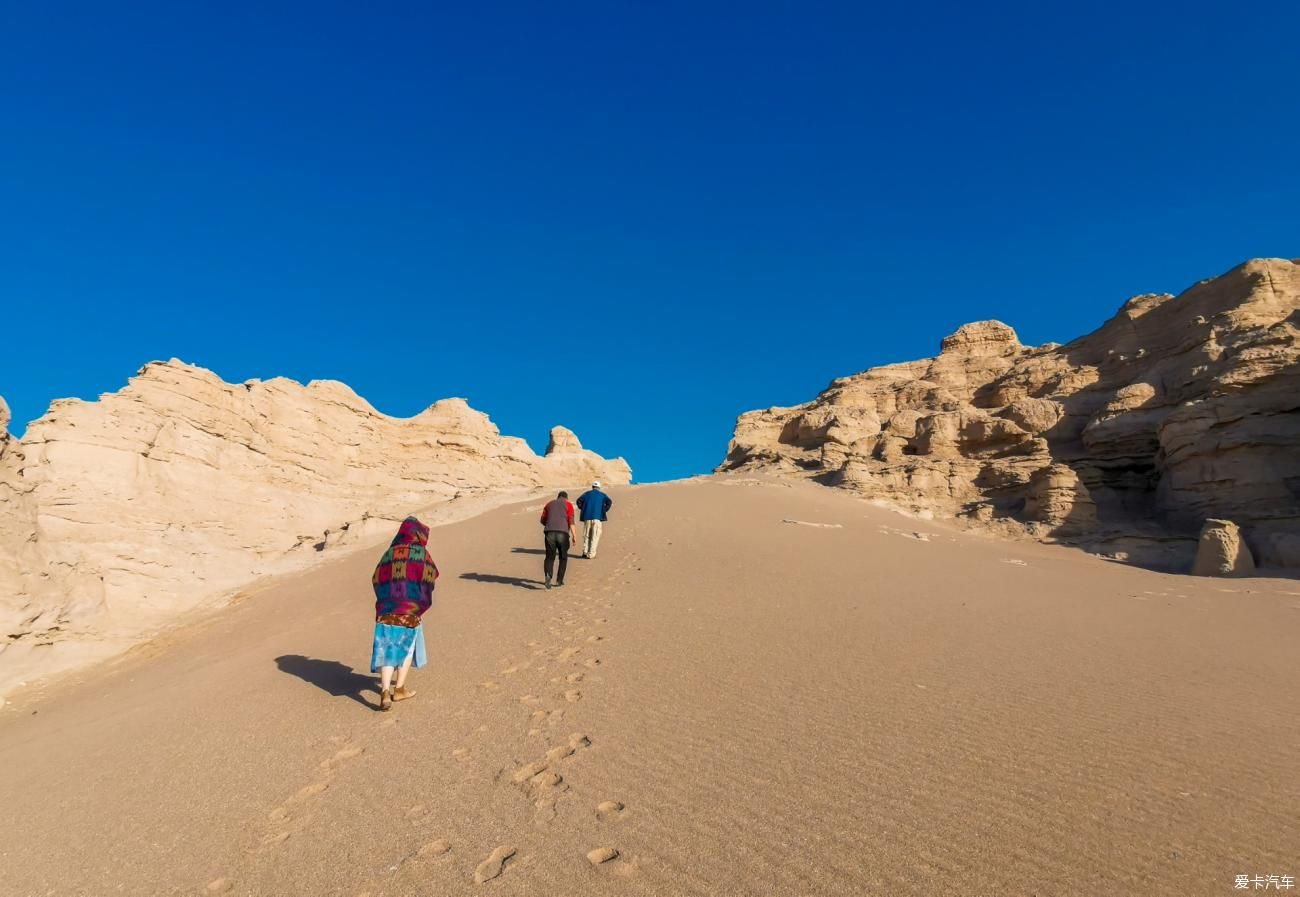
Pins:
x: 403, y: 581
x: 593, y: 508
x: 557, y: 525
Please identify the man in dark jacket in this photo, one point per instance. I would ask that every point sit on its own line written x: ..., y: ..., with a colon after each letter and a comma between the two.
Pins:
x: 557, y: 524
x: 594, y: 505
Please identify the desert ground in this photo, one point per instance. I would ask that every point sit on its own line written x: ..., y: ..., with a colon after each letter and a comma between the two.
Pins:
x: 757, y: 688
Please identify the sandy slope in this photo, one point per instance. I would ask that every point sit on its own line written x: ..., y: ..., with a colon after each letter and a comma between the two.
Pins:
x: 780, y: 709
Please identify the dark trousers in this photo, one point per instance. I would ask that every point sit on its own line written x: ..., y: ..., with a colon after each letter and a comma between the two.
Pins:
x: 556, y: 543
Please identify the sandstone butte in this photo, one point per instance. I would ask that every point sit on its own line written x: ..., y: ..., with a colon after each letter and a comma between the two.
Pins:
x: 118, y: 516
x: 1177, y: 411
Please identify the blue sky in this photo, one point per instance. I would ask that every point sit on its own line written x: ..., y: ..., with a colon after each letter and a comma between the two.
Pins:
x: 636, y: 219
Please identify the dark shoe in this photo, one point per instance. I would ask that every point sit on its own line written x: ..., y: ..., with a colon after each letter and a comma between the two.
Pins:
x: 558, y: 584
x: 548, y: 582
x: 386, y: 700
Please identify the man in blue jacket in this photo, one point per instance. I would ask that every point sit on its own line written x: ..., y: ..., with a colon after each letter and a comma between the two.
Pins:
x: 593, y: 505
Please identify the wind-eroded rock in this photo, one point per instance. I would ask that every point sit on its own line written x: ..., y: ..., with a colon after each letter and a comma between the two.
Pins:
x: 118, y: 514
x: 1174, y: 411
x: 1221, y: 551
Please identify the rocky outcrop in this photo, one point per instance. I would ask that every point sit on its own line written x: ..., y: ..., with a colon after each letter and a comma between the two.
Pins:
x: 571, y: 463
x: 1176, y: 410
x: 563, y: 441
x: 1221, y: 551
x: 117, y: 515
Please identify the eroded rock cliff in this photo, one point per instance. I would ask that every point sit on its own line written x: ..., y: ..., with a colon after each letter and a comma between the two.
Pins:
x: 119, y: 514
x: 1177, y: 410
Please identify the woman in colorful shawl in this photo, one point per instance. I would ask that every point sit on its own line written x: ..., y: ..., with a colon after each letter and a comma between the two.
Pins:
x: 403, y: 592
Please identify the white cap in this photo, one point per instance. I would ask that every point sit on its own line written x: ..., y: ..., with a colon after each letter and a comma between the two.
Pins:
x: 595, y: 484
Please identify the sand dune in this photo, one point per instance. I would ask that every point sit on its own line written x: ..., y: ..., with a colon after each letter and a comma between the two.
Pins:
x: 729, y: 701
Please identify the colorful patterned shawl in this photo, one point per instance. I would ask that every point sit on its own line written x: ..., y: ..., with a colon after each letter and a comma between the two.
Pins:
x: 404, y: 578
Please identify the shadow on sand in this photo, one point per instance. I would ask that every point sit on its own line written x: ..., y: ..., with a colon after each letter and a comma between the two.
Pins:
x: 516, y: 581
x: 330, y: 676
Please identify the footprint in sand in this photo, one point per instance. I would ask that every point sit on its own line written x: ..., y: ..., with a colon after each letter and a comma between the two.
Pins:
x: 460, y: 755
x: 438, y: 848
x: 220, y: 885
x: 591, y: 663
x: 494, y: 865
x: 559, y: 752
x: 415, y: 812
x: 275, y: 839
x: 342, y: 756
x: 601, y: 855
x: 547, y: 779
x: 544, y: 811
x: 527, y: 771
x: 573, y: 696
x: 489, y: 685
x: 529, y: 699
x: 610, y: 811
x: 279, y: 814
x: 545, y: 787
x: 573, y: 677
x: 311, y: 790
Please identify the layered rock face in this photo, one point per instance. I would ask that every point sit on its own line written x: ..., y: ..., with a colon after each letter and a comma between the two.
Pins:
x: 1177, y: 410
x: 117, y: 515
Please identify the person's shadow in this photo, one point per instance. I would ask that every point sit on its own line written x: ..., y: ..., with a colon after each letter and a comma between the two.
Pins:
x: 329, y: 676
x: 517, y: 581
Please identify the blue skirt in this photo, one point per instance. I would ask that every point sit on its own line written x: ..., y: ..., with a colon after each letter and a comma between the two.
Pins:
x: 394, y: 644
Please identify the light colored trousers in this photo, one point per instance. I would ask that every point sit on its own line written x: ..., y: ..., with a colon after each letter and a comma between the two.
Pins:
x: 590, y: 537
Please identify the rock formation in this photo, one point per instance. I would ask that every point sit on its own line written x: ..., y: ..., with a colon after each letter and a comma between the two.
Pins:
x: 117, y: 515
x: 1221, y: 551
x: 1126, y: 440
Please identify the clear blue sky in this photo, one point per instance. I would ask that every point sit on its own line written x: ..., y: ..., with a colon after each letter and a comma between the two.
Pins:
x: 707, y: 207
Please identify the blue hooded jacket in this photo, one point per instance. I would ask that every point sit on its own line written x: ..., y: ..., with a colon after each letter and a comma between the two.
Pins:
x: 594, y: 505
